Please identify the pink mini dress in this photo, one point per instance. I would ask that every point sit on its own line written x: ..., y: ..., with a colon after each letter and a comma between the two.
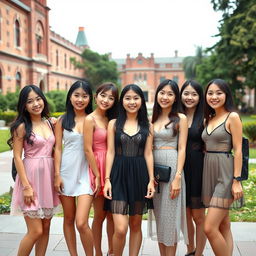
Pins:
x: 99, y: 147
x: 39, y: 167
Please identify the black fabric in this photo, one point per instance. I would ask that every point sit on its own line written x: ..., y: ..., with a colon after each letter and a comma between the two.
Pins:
x: 245, y: 159
x: 129, y: 176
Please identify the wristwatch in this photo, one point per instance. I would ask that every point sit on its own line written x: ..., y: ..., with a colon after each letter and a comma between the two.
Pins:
x: 238, y: 178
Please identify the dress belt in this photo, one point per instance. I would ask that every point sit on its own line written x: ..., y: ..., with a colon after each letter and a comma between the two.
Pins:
x: 219, y: 152
x: 164, y: 147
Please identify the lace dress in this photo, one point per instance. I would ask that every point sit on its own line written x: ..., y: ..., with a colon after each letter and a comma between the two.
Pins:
x: 129, y: 176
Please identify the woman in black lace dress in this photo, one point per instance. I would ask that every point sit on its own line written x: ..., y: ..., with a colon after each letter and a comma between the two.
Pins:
x: 129, y: 181
x: 192, y: 100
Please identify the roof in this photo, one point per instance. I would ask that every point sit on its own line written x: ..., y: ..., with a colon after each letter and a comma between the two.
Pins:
x: 81, y: 39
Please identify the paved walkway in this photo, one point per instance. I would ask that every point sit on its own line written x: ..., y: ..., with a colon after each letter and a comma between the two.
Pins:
x: 12, y: 229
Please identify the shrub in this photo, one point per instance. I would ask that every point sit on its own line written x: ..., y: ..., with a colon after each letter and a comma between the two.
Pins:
x: 8, y: 116
x: 56, y: 114
x: 3, y: 103
x: 12, y: 100
x: 52, y: 107
x: 249, y: 130
x: 59, y: 99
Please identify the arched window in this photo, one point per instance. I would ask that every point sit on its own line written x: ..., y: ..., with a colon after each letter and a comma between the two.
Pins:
x: 58, y: 86
x: 57, y: 58
x: 39, y: 37
x: 41, y: 85
x: 145, y: 77
x: 65, y: 60
x: 18, y: 80
x: 17, y: 33
x: 66, y: 86
x: 1, y: 82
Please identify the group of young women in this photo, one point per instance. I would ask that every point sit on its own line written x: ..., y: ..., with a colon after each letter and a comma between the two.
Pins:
x: 108, y: 161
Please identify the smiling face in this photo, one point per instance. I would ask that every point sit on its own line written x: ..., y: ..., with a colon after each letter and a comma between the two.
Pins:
x: 79, y: 99
x: 105, y: 99
x: 190, y: 97
x: 131, y: 102
x: 34, y: 103
x: 215, y: 97
x: 166, y: 97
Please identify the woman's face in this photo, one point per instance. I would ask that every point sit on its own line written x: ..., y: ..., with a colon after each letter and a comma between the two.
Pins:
x: 34, y: 104
x: 189, y: 97
x: 166, y: 97
x: 215, y: 97
x: 79, y: 99
x: 105, y: 100
x: 132, y: 102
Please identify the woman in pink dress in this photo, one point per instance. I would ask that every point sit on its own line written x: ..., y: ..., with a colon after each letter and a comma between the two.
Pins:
x: 95, y: 145
x: 33, y: 194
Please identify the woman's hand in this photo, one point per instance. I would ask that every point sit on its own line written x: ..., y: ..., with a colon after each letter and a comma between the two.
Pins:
x: 107, y: 189
x: 237, y: 190
x: 175, y: 187
x: 28, y: 195
x: 58, y: 184
x: 151, y: 189
x: 97, y: 186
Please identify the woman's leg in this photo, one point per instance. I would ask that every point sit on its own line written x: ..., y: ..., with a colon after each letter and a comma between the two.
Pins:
x: 42, y: 242
x: 198, y: 216
x: 120, y: 231
x: 226, y: 232
x: 213, y: 222
x: 99, y: 217
x: 191, y: 231
x: 84, y: 203
x: 69, y: 208
x: 34, y: 232
x: 135, y: 235
x: 110, y: 232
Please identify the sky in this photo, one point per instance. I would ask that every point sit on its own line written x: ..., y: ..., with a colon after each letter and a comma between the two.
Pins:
x: 137, y: 26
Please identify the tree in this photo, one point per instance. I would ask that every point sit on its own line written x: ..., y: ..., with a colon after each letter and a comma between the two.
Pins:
x: 190, y: 63
x: 97, y: 68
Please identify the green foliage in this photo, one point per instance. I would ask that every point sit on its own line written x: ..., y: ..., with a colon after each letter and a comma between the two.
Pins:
x: 4, y: 136
x: 249, y: 129
x: 8, y: 116
x: 97, y: 68
x: 56, y: 114
x: 5, y: 203
x: 58, y: 98
x: 52, y: 107
x: 3, y: 103
x: 12, y: 99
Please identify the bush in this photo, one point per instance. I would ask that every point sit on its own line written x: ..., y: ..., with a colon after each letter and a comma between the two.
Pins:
x: 3, y: 103
x: 52, y: 107
x: 56, y: 114
x: 12, y: 100
x: 8, y: 116
x: 249, y: 130
x: 59, y: 99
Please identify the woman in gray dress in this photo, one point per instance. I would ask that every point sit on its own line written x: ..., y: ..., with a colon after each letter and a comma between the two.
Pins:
x: 222, y: 171
x: 170, y: 137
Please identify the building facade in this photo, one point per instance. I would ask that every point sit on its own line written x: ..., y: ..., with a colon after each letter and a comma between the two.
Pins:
x: 30, y: 53
x: 148, y: 72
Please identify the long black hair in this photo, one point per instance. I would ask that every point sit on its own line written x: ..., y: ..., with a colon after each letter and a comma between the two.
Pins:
x: 209, y: 112
x: 24, y: 116
x: 173, y: 115
x: 198, y: 117
x: 112, y: 112
x: 142, y: 115
x: 68, y: 119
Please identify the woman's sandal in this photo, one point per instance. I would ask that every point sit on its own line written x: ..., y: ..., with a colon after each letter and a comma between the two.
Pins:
x: 191, y: 253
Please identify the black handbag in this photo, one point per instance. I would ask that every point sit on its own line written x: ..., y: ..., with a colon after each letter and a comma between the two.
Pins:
x: 245, y: 159
x: 162, y: 173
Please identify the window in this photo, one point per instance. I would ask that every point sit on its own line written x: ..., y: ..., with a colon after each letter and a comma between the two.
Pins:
x: 65, y: 60
x: 18, y: 81
x: 66, y: 86
x: 162, y: 78
x: 17, y: 33
x: 58, y: 86
x: 140, y: 61
x: 176, y: 79
x: 0, y: 26
x: 135, y: 77
x: 57, y: 58
x: 145, y: 95
x: 145, y: 77
x: 41, y: 85
x: 39, y: 37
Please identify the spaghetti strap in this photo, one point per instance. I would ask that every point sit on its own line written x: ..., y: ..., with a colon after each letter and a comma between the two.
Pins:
x: 227, y: 117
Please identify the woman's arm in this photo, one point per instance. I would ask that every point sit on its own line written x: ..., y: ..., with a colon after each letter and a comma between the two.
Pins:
x: 183, y: 134
x: 58, y: 184
x: 235, y: 126
x: 18, y: 140
x: 88, y: 141
x: 150, y: 162
x: 110, y: 158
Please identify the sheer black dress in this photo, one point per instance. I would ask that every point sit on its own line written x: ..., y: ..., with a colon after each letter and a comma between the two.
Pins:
x: 129, y: 176
x: 193, y: 167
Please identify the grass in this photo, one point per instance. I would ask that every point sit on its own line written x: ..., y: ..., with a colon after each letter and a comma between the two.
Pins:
x: 4, y: 136
x: 248, y: 118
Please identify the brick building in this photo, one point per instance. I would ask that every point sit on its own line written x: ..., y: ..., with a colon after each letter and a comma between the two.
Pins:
x: 149, y: 72
x: 30, y: 53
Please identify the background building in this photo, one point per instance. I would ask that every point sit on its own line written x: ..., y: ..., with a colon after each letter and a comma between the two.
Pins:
x: 149, y: 72
x: 30, y: 53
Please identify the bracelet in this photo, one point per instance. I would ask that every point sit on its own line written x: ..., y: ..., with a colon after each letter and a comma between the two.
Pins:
x: 107, y: 178
x: 179, y: 172
x: 26, y: 187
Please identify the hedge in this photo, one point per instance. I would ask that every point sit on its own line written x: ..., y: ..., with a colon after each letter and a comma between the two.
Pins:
x: 249, y: 130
